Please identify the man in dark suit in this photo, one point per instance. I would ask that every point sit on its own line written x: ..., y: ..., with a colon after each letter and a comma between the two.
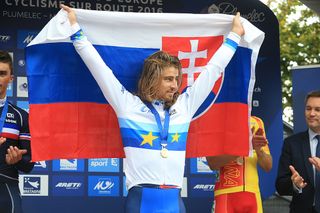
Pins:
x: 299, y: 170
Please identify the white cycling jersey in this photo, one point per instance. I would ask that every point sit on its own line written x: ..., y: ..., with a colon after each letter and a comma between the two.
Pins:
x: 139, y: 131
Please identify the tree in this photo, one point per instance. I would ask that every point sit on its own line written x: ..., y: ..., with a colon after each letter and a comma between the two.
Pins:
x: 299, y: 43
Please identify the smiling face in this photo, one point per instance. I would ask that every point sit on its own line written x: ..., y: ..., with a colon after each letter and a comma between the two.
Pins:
x: 312, y: 113
x: 160, y: 78
x: 168, y: 84
x: 5, y: 78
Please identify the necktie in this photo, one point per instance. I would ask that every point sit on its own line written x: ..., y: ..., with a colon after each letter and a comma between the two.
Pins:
x: 317, y: 186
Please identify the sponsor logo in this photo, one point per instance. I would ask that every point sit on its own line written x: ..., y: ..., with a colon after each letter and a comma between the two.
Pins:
x: 4, y: 38
x: 202, y: 187
x: 33, y: 185
x: 11, y: 121
x: 22, y: 87
x: 64, y: 185
x: 227, y: 8
x: 66, y: 164
x: 41, y: 164
x: 19, y: 63
x: 25, y: 37
x: 7, y: 39
x: 257, y: 89
x: 75, y: 165
x: 10, y: 115
x: 103, y: 165
x: 103, y: 186
x: 199, y: 165
x: 68, y: 185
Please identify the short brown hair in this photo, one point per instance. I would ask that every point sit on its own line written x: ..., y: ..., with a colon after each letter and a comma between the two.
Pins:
x: 313, y: 94
x: 151, y: 75
x: 6, y: 58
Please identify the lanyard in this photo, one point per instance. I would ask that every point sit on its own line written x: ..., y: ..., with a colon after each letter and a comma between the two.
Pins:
x: 3, y: 115
x: 163, y: 130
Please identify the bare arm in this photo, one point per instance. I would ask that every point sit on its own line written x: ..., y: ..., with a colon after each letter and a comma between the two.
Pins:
x: 259, y: 140
x: 264, y: 160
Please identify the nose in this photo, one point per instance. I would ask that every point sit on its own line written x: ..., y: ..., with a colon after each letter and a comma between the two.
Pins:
x: 312, y: 112
x: 174, y: 85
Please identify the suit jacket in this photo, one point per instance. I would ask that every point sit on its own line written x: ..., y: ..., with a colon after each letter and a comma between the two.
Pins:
x: 295, y: 152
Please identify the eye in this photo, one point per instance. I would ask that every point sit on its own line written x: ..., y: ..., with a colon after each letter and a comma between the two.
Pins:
x: 3, y: 73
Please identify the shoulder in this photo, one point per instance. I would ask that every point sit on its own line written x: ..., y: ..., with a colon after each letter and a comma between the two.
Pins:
x: 296, y: 138
x: 15, y: 109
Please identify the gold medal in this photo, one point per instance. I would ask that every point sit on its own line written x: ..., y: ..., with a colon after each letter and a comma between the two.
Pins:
x: 164, y: 152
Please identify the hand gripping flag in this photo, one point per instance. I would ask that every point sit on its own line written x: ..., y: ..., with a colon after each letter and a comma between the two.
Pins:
x: 69, y: 116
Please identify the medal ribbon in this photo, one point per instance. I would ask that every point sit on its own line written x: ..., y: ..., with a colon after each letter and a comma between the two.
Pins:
x: 163, y: 130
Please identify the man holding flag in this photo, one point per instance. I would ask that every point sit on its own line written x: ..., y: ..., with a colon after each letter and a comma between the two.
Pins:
x: 154, y: 123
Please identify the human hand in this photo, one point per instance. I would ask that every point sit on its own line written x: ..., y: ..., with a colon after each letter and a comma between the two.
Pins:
x: 237, y: 25
x: 14, y: 155
x: 71, y: 14
x: 258, y: 139
x: 296, y: 179
x: 316, y: 162
x: 2, y: 140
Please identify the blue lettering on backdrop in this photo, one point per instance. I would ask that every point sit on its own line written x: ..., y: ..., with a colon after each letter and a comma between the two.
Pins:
x: 21, y: 20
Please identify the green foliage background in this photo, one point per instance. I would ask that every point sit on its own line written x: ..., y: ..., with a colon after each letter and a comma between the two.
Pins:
x: 299, y: 42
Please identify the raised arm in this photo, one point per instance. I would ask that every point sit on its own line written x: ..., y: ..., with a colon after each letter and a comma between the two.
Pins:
x: 113, y: 91
x: 260, y: 145
x: 201, y: 88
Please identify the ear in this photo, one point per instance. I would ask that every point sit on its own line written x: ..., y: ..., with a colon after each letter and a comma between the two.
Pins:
x: 11, y: 78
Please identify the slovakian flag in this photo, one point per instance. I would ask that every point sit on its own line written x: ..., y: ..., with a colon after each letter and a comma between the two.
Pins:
x: 69, y: 116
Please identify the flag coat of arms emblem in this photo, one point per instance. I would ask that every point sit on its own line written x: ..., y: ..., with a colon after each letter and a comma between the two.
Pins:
x: 69, y: 116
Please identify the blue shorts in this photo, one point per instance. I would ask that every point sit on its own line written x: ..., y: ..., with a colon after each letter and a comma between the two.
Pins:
x: 10, y: 199
x: 152, y: 199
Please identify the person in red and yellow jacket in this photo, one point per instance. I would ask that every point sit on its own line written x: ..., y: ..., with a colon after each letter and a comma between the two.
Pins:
x: 237, y: 185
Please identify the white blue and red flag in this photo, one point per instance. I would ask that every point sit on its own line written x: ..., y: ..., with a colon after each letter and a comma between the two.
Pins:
x: 69, y: 116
